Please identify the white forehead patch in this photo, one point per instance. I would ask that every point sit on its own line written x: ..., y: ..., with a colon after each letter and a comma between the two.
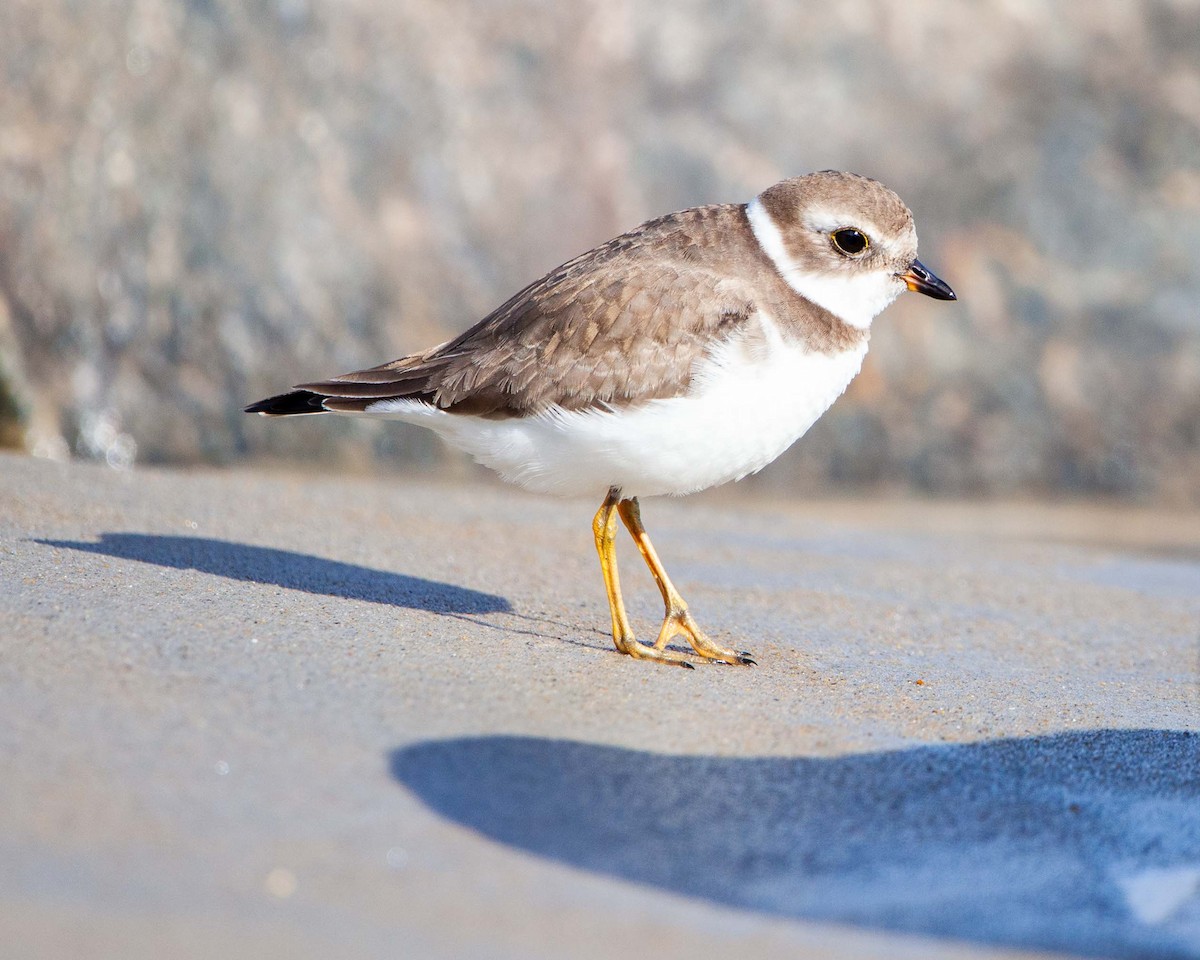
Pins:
x: 857, y: 298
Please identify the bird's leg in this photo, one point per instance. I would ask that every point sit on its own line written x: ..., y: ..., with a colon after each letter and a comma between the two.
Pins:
x: 604, y: 527
x: 678, y: 621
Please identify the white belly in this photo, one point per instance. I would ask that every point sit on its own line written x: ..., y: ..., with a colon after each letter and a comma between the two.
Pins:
x: 747, y: 406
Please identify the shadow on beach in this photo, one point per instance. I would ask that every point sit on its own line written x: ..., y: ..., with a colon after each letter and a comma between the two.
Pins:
x: 1086, y: 841
x: 295, y: 571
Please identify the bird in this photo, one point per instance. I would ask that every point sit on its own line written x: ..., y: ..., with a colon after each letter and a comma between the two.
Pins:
x: 688, y: 352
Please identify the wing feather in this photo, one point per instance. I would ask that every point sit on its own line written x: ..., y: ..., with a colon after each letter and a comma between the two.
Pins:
x: 625, y: 322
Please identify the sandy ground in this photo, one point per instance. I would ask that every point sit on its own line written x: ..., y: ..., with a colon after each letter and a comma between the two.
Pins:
x: 250, y: 715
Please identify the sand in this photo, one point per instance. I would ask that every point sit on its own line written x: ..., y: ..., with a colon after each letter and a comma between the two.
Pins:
x: 247, y: 714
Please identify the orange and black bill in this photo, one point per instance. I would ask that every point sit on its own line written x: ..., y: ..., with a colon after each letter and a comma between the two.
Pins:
x: 922, y: 280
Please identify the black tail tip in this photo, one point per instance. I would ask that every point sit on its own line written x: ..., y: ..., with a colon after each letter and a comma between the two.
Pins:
x: 289, y: 404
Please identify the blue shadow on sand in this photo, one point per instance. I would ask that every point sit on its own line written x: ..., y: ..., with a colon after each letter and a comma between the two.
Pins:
x: 1075, y: 841
x: 295, y: 571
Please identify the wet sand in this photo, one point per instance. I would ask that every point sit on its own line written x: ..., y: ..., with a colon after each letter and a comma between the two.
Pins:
x: 248, y: 714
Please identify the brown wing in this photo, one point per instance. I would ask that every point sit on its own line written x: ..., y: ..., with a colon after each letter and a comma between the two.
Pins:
x: 625, y: 322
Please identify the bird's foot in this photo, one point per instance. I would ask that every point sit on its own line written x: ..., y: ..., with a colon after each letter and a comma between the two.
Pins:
x: 679, y: 623
x: 639, y: 651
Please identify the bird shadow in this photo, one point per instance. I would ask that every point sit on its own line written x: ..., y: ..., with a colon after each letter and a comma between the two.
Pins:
x: 286, y: 568
x: 1086, y: 842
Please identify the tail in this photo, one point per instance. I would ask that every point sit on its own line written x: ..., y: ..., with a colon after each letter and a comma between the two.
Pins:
x: 289, y: 404
x: 404, y: 379
x: 304, y: 401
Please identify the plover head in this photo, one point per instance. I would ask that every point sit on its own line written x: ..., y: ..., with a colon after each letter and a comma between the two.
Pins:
x: 843, y: 241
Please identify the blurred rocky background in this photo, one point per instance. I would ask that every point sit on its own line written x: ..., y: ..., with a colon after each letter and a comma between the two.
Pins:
x: 205, y: 201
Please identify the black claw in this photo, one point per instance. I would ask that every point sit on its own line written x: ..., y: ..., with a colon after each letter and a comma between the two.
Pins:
x: 746, y: 658
x: 687, y: 666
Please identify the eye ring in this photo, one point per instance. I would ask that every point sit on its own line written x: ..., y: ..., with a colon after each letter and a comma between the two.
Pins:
x: 849, y: 241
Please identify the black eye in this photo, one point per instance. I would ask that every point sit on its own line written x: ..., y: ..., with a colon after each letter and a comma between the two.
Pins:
x: 850, y: 241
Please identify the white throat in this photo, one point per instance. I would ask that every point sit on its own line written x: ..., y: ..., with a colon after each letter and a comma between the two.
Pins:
x: 856, y: 299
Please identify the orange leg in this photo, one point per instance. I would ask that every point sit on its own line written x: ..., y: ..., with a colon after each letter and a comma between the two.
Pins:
x: 678, y: 621
x: 604, y: 527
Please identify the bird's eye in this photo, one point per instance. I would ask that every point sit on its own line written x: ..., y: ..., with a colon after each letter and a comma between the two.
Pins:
x: 849, y: 241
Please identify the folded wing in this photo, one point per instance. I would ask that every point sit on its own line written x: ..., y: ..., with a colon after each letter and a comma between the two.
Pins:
x: 623, y: 323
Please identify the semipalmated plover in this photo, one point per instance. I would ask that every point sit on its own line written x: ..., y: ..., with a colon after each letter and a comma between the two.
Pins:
x: 689, y: 352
